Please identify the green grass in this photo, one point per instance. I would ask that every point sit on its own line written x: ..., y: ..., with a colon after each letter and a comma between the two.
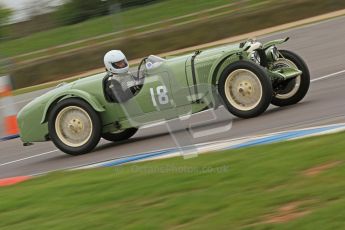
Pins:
x: 249, y: 189
x: 108, y: 24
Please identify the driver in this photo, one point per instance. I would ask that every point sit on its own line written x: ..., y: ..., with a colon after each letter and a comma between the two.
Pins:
x: 117, y: 68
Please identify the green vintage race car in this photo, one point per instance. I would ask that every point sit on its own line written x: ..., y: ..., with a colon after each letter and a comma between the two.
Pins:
x: 246, y: 78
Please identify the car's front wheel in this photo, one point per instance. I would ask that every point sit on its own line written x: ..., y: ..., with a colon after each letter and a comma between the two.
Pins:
x: 292, y: 91
x: 245, y: 88
x: 74, y: 126
x: 120, y: 135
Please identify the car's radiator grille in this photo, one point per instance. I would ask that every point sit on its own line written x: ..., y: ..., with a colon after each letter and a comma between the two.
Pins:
x: 203, y: 72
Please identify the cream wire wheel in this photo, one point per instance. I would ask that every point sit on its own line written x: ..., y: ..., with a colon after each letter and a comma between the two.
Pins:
x: 293, y: 86
x: 243, y: 89
x: 294, y: 90
x: 73, y: 126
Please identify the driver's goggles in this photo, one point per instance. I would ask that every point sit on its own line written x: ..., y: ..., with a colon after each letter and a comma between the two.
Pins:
x: 120, y: 64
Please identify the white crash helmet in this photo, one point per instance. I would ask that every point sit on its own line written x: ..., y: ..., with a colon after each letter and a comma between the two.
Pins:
x: 116, y: 62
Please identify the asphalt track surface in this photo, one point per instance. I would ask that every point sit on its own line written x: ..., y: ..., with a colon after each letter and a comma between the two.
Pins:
x: 322, y: 45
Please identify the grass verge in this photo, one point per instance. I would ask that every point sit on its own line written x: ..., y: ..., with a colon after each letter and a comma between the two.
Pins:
x: 291, y: 185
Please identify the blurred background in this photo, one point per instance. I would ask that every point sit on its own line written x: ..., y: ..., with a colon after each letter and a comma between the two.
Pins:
x: 44, y: 41
x: 48, y: 40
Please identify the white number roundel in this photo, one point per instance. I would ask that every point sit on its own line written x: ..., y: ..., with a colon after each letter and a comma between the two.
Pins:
x: 162, y: 94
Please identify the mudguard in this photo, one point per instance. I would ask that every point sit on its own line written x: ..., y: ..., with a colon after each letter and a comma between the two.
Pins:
x: 275, y: 42
x: 72, y: 93
x: 216, y: 67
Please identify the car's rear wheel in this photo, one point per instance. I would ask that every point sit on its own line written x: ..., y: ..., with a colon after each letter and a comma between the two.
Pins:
x: 292, y: 91
x: 74, y: 126
x: 245, y: 89
x: 120, y: 135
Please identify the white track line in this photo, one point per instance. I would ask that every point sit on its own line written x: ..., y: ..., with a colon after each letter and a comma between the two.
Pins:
x: 328, y: 76
x: 26, y: 158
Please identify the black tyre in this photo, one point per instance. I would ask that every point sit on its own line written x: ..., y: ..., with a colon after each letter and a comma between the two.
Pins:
x: 295, y: 90
x: 245, y: 88
x: 74, y: 126
x: 120, y: 136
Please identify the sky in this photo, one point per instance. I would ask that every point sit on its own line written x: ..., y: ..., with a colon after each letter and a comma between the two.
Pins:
x: 20, y: 7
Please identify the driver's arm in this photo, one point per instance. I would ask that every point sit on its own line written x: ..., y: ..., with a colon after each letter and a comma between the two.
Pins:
x: 134, y: 85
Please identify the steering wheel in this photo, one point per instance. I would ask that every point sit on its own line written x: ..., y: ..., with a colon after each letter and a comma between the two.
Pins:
x: 139, y: 67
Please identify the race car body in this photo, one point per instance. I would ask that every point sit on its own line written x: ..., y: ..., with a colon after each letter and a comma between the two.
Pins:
x: 244, y: 77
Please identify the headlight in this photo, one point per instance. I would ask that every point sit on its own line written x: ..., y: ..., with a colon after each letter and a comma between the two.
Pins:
x: 275, y: 53
x: 255, y: 57
x: 272, y: 53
